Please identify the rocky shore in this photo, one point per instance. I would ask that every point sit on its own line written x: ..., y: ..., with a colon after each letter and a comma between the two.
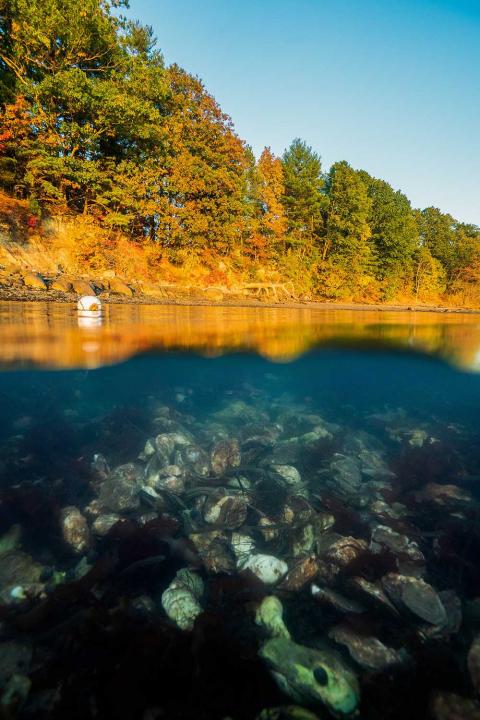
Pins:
x: 30, y: 286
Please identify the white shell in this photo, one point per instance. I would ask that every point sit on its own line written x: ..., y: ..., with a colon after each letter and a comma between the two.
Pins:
x: 180, y: 599
x: 267, y: 568
x: 89, y: 303
x: 181, y: 606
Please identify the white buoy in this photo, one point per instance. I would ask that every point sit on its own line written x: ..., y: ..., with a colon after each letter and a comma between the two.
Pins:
x: 90, y: 304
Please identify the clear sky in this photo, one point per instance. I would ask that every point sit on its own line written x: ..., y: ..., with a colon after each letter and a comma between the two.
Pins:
x: 392, y: 86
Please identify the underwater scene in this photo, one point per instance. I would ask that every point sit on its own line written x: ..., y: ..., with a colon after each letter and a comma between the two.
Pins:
x: 237, y: 538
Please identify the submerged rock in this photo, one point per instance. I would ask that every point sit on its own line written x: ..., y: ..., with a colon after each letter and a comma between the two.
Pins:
x: 15, y: 657
x: 367, y: 651
x: 214, y: 550
x: 11, y: 540
x: 409, y: 558
x: 119, y: 492
x: 473, y: 662
x: 300, y: 573
x: 415, y: 595
x: 449, y: 706
x: 103, y: 523
x: 229, y: 512
x: 225, y: 455
x: 372, y: 595
x: 19, y: 577
x: 327, y: 596
x: 75, y: 530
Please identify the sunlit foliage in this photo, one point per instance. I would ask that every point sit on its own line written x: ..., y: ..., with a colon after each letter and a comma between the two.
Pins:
x: 96, y: 129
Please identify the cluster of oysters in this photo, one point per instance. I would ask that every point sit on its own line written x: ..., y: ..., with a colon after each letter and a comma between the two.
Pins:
x: 313, y: 513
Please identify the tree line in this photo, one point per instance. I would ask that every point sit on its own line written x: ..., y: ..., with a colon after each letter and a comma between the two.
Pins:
x: 93, y: 123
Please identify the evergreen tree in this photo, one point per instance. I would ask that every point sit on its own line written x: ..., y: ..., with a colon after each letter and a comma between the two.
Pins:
x: 394, y: 234
x: 437, y: 233
x: 303, y: 198
x: 347, y: 245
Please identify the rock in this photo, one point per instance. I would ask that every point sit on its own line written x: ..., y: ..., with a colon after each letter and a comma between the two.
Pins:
x: 19, y: 577
x: 344, y: 551
x: 75, y: 531
x: 215, y: 551
x: 346, y: 474
x: 225, y: 455
x: 453, y: 608
x: 415, y: 595
x: 11, y: 540
x: 302, y: 540
x: 444, y: 496
x: 181, y: 599
x: 301, y: 573
x: 15, y: 657
x: 119, y: 492
x: 99, y: 467
x: 367, y: 651
x: 61, y: 284
x: 327, y: 596
x: 448, y: 706
x: 82, y: 287
x: 142, y: 606
x: 290, y: 474
x: 33, y: 281
x: 213, y: 294
x: 473, y: 663
x: 14, y: 695
x: 267, y: 568
x: 103, y: 523
x: 410, y: 560
x: 372, y: 595
x: 118, y: 287
x: 228, y: 512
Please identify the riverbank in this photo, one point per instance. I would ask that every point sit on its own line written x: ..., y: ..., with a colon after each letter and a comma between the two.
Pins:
x: 215, y: 298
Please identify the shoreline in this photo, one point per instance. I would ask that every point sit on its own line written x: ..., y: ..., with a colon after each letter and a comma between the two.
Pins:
x: 30, y: 295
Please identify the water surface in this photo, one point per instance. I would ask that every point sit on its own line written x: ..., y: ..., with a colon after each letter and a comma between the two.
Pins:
x: 153, y: 511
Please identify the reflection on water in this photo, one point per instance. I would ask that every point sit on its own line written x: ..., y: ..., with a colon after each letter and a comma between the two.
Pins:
x: 53, y: 335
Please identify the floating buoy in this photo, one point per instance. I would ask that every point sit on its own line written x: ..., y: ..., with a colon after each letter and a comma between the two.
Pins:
x: 90, y: 304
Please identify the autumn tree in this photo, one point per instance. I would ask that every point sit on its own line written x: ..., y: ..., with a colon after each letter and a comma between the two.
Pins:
x: 272, y: 222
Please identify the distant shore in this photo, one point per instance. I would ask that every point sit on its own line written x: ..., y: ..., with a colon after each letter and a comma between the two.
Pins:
x: 16, y: 294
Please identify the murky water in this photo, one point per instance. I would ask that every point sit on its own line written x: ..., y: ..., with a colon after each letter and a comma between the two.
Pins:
x: 206, y: 532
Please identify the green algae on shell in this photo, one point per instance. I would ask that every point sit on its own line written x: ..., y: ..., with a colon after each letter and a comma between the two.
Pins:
x: 312, y: 676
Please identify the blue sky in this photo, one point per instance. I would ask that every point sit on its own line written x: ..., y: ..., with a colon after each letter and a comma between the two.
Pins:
x: 392, y: 86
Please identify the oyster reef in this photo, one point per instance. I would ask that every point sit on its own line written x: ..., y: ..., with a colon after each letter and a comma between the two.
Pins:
x: 199, y: 538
